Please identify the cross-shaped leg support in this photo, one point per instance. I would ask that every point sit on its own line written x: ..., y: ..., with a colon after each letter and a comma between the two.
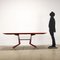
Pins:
x: 30, y: 41
x: 18, y: 42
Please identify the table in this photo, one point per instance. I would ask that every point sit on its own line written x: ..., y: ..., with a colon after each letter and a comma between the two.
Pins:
x: 31, y: 34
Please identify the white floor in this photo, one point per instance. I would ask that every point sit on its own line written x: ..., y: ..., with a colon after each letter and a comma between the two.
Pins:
x: 29, y: 53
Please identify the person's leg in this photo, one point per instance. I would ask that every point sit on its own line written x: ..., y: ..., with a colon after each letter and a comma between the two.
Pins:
x: 53, y: 39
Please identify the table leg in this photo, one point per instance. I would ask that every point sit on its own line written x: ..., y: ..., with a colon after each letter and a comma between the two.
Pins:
x: 18, y: 42
x: 31, y: 43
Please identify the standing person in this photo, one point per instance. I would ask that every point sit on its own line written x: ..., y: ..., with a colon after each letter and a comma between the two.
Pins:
x: 52, y: 29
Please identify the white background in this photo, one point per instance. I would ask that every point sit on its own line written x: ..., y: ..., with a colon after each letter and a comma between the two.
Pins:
x: 28, y: 16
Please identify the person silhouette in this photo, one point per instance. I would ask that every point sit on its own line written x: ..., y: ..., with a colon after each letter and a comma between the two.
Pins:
x: 52, y: 29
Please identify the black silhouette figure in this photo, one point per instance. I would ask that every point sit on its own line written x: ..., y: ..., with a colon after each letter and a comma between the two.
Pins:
x: 52, y: 29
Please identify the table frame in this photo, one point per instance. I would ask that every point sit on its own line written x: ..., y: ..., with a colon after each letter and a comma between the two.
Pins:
x: 19, y: 40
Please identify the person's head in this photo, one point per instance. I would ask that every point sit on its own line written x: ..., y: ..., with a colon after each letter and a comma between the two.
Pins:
x: 52, y: 14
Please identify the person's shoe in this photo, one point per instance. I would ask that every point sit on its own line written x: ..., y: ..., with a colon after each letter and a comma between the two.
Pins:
x: 50, y: 47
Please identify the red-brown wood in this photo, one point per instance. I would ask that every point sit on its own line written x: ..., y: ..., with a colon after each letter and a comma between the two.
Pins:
x: 27, y: 33
x: 33, y: 33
